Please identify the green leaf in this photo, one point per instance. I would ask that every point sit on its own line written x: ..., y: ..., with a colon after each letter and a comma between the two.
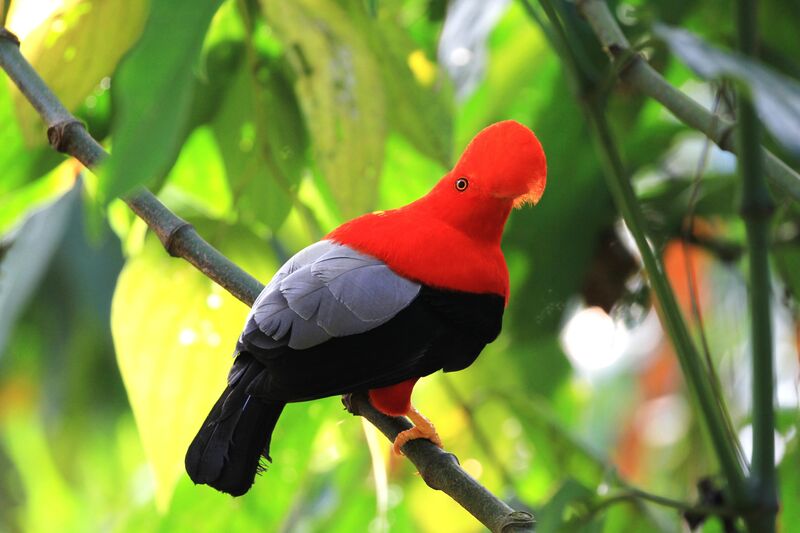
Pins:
x: 341, y: 94
x: 152, y: 94
x: 73, y: 49
x: 28, y: 445
x: 566, y: 511
x: 220, y: 64
x: 260, y: 133
x: 418, y: 91
x: 26, y: 260
x: 20, y: 163
x: 789, y: 477
x: 197, y: 182
x: 407, y: 174
x: 776, y: 97
x: 787, y: 261
x: 174, y: 331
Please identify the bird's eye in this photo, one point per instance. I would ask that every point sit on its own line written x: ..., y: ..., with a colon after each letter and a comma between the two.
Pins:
x: 462, y: 184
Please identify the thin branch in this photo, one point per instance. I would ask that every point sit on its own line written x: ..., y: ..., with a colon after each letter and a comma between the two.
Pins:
x: 635, y: 496
x: 691, y: 279
x: 68, y: 135
x: 710, y: 407
x: 439, y: 469
x: 638, y: 73
x: 756, y: 209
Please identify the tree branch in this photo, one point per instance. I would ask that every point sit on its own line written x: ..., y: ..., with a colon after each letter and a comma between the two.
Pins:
x: 68, y: 135
x: 756, y: 210
x: 439, y: 469
x: 712, y: 408
x: 638, y: 73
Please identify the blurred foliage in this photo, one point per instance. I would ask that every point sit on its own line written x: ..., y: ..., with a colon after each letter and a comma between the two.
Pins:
x: 266, y: 124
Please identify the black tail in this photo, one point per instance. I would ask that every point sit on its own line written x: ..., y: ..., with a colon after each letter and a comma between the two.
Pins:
x: 227, y: 450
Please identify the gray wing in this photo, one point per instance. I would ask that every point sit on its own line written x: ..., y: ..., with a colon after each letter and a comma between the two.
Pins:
x: 326, y: 290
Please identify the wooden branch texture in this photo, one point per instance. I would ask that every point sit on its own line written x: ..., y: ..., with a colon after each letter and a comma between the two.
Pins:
x: 638, y: 73
x: 439, y: 469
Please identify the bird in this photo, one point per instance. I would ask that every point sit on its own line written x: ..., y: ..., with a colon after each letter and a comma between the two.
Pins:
x: 380, y: 302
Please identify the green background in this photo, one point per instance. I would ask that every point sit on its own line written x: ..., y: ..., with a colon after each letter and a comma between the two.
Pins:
x: 266, y: 124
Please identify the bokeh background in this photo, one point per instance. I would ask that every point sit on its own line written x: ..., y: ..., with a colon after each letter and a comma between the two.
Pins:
x: 266, y: 125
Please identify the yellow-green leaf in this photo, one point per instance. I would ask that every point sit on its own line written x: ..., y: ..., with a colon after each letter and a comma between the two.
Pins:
x: 73, y: 49
x: 419, y: 92
x: 341, y: 93
x: 174, y: 332
x: 261, y: 149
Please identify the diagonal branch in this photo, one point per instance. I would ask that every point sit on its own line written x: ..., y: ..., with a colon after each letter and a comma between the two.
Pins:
x: 637, y: 72
x: 68, y: 135
x: 439, y: 469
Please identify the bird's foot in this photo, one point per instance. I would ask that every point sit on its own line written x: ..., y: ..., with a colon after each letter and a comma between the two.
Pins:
x: 423, y: 429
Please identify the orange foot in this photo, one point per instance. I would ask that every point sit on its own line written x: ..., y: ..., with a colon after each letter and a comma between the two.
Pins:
x: 423, y: 429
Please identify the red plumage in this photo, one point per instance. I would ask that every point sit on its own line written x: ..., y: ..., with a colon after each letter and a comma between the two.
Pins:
x: 450, y: 238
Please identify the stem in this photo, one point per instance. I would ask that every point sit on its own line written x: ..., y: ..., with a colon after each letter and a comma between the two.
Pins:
x: 635, y: 495
x: 697, y: 380
x: 691, y: 364
x: 68, y: 135
x: 439, y: 469
x: 756, y: 210
x: 639, y: 74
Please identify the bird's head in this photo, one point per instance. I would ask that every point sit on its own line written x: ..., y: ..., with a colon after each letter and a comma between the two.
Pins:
x: 503, y: 161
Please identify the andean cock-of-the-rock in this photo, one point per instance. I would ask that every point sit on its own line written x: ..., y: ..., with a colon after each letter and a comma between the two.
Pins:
x: 380, y: 302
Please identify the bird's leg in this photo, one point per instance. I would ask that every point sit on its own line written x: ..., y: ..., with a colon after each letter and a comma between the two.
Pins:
x: 423, y: 429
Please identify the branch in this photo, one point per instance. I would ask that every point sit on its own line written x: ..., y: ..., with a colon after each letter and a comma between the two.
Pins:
x: 712, y: 408
x: 637, y: 72
x: 756, y: 210
x: 439, y: 469
x: 68, y: 135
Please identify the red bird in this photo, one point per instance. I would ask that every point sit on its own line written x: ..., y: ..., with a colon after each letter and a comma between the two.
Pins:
x: 382, y: 301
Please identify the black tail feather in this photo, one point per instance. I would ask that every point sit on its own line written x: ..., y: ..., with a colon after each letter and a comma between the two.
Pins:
x: 227, y: 450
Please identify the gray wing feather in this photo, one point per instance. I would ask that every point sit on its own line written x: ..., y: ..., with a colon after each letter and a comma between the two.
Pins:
x: 373, y: 293
x: 303, y: 292
x: 306, y: 334
x: 273, y: 316
x: 326, y: 290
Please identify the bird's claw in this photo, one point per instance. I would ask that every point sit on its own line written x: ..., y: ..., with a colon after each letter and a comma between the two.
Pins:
x: 416, y: 432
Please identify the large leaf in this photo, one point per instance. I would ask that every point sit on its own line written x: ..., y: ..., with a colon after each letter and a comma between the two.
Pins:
x: 196, y: 183
x: 341, y: 93
x: 174, y: 331
x: 262, y: 141
x: 776, y: 97
x: 30, y: 248
x: 73, y: 49
x: 152, y: 94
x: 419, y: 93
